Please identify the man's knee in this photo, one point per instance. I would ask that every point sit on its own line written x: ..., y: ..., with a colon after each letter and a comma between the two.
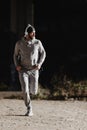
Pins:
x: 34, y: 92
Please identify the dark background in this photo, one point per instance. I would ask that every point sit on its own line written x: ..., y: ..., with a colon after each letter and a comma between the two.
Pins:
x: 61, y: 26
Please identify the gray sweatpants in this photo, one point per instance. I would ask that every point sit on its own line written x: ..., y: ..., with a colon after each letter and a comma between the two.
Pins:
x: 29, y: 84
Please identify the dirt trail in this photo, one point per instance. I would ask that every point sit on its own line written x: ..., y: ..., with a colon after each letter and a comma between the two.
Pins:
x: 48, y: 115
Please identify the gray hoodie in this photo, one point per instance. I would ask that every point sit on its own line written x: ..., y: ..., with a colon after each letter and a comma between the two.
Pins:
x: 29, y: 54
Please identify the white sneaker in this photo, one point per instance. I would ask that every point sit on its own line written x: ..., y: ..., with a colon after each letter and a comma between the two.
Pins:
x: 29, y: 113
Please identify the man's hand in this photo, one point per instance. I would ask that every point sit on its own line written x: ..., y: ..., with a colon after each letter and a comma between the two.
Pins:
x: 36, y: 67
x: 18, y: 68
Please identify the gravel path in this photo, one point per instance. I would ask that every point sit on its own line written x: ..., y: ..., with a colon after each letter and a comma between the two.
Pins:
x: 48, y: 115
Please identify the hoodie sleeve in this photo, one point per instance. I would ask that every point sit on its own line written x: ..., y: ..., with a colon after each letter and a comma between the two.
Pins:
x: 16, y: 54
x: 42, y: 54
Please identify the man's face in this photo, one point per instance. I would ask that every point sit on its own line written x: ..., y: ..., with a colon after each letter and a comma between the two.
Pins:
x: 31, y: 35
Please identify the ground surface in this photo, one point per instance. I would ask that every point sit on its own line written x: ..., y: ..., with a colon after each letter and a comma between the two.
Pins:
x: 48, y: 115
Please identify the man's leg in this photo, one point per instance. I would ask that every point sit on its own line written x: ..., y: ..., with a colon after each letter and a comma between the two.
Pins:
x: 34, y: 82
x: 24, y: 80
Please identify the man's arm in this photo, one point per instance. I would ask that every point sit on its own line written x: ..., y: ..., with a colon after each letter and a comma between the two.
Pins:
x: 16, y: 57
x: 42, y: 55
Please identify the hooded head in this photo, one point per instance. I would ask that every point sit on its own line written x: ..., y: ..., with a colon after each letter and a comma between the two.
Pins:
x: 29, y: 29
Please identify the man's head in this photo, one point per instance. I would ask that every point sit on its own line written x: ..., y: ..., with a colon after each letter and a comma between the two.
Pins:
x: 29, y: 32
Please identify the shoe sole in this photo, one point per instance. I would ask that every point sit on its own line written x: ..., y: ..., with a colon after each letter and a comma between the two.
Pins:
x: 29, y: 114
